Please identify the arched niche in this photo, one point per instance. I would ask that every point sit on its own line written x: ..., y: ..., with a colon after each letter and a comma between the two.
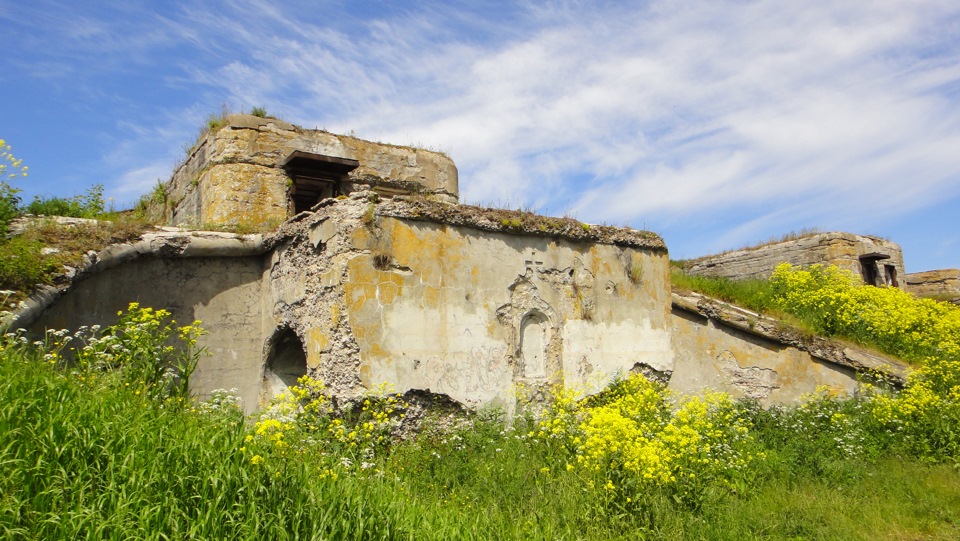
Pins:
x: 534, y: 337
x: 286, y: 363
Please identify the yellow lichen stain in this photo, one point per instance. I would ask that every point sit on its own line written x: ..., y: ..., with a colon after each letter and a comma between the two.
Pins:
x: 388, y: 291
x: 365, y: 372
x: 435, y: 253
x: 374, y: 350
x: 334, y: 315
x: 431, y: 297
x: 475, y: 276
x: 360, y: 238
x: 318, y: 343
x: 319, y: 340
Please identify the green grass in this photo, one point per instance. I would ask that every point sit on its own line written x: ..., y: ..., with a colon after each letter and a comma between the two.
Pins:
x: 23, y: 265
x: 84, y: 456
x: 82, y: 460
x: 754, y: 295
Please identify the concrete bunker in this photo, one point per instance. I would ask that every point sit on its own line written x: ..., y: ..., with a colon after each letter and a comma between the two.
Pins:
x: 286, y: 363
x: 878, y: 261
x: 465, y: 301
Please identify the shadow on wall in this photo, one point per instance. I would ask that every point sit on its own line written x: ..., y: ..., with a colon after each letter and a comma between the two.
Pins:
x: 224, y: 293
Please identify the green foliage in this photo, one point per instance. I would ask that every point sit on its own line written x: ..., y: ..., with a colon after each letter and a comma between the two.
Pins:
x: 834, y: 302
x: 216, y: 121
x: 23, y: 265
x: 107, y: 446
x: 10, y: 166
x: 88, y: 205
x: 635, y: 269
x: 138, y: 351
x: 259, y: 112
x: 85, y: 455
x: 9, y: 207
x: 638, y: 443
x: 306, y: 421
x: 755, y: 295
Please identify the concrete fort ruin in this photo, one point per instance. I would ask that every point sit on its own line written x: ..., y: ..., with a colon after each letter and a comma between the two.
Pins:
x: 878, y: 261
x: 376, y: 275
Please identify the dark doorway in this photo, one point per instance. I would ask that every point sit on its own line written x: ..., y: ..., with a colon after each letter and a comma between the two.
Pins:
x: 315, y: 177
x: 286, y: 363
x: 890, y: 275
x: 869, y: 268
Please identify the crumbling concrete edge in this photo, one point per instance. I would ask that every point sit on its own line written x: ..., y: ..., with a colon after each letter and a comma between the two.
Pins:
x: 167, y: 244
x: 508, y: 221
x: 831, y: 351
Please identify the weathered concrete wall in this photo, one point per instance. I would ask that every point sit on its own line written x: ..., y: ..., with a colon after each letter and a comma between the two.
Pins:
x: 943, y: 284
x: 233, y: 175
x: 379, y: 294
x: 725, y: 348
x: 841, y: 249
x: 708, y: 355
x: 214, y: 277
x: 224, y: 293
x: 451, y: 299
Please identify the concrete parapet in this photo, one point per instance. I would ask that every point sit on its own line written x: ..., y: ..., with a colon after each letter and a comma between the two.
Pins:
x: 877, y: 261
x: 941, y: 284
x: 262, y: 170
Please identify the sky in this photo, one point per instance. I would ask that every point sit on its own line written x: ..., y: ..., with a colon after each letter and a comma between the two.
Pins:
x: 716, y: 124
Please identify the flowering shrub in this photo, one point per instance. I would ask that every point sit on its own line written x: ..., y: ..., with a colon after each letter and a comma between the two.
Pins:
x: 307, y: 419
x: 145, y: 349
x: 10, y: 167
x: 636, y: 439
x: 925, y: 416
x: 834, y: 302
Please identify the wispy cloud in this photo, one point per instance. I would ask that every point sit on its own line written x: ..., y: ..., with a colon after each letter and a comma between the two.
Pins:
x: 745, y: 117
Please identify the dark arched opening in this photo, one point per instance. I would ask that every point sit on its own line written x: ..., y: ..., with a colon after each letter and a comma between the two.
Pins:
x: 286, y: 363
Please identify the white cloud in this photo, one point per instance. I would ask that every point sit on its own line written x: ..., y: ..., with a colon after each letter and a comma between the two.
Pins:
x: 750, y: 116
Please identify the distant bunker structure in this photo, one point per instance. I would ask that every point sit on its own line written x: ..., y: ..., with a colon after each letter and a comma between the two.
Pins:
x: 878, y: 261
x: 940, y: 284
x: 376, y: 275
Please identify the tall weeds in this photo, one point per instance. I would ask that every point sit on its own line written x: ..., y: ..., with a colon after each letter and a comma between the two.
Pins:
x: 99, y: 441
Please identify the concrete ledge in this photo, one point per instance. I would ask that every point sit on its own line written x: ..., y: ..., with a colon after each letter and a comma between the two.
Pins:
x: 831, y: 351
x: 516, y: 222
x: 159, y: 244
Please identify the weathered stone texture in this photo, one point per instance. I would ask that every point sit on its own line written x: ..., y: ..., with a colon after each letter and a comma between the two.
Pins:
x: 942, y: 284
x: 451, y: 300
x: 233, y: 174
x: 841, y: 249
x: 378, y: 294
x: 722, y: 347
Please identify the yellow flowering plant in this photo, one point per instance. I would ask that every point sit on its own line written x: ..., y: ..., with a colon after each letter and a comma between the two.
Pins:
x: 144, y: 349
x: 307, y: 419
x: 635, y: 439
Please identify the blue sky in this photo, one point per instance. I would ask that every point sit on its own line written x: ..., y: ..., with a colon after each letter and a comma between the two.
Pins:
x: 715, y: 124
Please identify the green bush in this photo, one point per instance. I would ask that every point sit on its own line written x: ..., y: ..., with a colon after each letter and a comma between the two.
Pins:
x: 9, y: 207
x: 22, y: 265
x: 88, y: 205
